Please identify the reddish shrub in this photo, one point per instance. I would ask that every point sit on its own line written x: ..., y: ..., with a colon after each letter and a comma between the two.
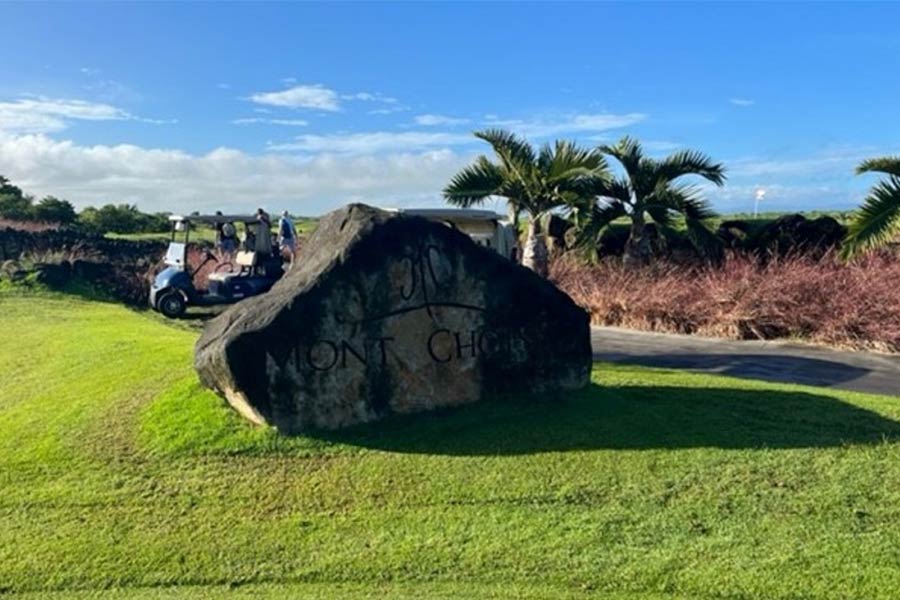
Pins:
x: 853, y: 305
x: 32, y: 226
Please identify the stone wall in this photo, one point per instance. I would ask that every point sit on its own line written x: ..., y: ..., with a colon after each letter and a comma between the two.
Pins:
x: 120, y: 268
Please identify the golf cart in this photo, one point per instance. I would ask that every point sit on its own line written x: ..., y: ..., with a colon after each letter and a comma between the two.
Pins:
x: 250, y: 270
x: 485, y: 227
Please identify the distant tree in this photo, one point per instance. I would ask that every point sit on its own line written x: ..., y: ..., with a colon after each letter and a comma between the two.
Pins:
x: 112, y: 218
x: 531, y: 182
x: 878, y: 221
x: 54, y: 210
x: 7, y: 188
x: 649, y: 189
x: 14, y: 204
x: 155, y: 222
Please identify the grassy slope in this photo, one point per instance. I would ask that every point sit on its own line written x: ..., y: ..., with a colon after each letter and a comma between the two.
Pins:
x: 118, y: 471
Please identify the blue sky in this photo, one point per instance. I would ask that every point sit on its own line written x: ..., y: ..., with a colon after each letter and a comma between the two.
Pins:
x: 308, y: 106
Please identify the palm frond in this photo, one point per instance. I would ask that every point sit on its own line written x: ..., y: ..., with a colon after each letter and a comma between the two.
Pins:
x: 475, y: 183
x: 690, y: 162
x: 660, y: 214
x: 684, y: 199
x: 628, y: 152
x: 515, y: 154
x: 617, y: 189
x: 889, y: 165
x: 878, y: 221
x: 598, y: 219
x: 566, y: 156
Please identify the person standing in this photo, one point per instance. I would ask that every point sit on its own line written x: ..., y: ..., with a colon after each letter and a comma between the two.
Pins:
x: 287, y: 237
x: 226, y: 238
x: 263, y: 242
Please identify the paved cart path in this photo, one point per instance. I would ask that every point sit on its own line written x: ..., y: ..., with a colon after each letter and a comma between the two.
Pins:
x: 783, y: 362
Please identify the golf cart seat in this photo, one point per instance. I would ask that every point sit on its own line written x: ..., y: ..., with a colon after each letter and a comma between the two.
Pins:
x: 245, y: 260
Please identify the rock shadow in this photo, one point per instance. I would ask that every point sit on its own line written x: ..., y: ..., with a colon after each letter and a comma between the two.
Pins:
x: 629, y: 418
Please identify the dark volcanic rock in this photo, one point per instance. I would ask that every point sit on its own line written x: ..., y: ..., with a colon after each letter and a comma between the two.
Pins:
x: 391, y: 314
x: 734, y: 234
x: 797, y: 234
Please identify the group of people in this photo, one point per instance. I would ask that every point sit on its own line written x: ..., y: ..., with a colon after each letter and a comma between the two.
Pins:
x: 227, y: 241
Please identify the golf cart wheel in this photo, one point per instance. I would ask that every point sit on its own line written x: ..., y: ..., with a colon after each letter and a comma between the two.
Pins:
x: 172, y: 305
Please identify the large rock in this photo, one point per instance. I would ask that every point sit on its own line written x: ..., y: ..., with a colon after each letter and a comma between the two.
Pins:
x: 391, y: 314
x: 794, y: 233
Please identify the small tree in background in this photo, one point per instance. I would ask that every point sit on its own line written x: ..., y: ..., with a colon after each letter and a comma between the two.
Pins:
x: 531, y: 182
x: 14, y: 204
x: 54, y: 210
x: 649, y: 189
x: 121, y: 218
x: 878, y: 221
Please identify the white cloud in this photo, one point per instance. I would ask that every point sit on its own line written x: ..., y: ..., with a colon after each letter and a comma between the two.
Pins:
x: 565, y: 124
x: 742, y: 102
x: 370, y: 97
x: 826, y: 164
x: 408, y: 141
x: 430, y: 120
x: 262, y: 121
x: 226, y: 179
x: 388, y: 110
x: 42, y: 115
x: 652, y: 146
x: 373, y: 142
x: 300, y: 96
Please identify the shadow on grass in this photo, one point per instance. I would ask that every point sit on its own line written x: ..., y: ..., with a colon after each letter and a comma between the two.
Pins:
x: 629, y: 417
x: 195, y: 318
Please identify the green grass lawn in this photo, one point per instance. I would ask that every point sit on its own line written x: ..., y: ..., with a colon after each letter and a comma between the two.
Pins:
x: 119, y: 473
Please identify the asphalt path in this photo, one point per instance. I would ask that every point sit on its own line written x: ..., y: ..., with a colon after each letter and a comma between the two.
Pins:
x: 783, y: 362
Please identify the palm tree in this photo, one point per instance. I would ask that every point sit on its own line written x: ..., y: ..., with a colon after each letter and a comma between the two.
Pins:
x: 649, y: 188
x: 534, y: 183
x: 878, y: 220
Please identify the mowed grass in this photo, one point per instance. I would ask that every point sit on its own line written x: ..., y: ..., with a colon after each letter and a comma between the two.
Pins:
x: 119, y: 475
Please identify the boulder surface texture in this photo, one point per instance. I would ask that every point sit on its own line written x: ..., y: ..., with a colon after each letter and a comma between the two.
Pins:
x: 385, y: 313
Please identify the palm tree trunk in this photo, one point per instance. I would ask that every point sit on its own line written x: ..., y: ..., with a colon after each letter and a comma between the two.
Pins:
x: 535, y: 255
x: 637, y: 248
x: 513, y: 212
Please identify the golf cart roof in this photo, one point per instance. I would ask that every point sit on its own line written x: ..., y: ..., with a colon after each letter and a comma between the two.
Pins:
x: 215, y: 218
x: 468, y: 214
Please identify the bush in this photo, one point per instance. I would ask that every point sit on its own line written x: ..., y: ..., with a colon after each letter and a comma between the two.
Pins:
x: 854, y: 305
x: 121, y: 218
x: 54, y: 210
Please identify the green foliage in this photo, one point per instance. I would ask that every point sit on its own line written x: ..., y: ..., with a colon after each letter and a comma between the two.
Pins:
x: 14, y: 204
x: 120, y: 476
x: 650, y: 188
x: 16, y: 208
x: 889, y: 165
x: 557, y: 175
x: 877, y: 223
x: 54, y: 210
x: 121, y: 218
